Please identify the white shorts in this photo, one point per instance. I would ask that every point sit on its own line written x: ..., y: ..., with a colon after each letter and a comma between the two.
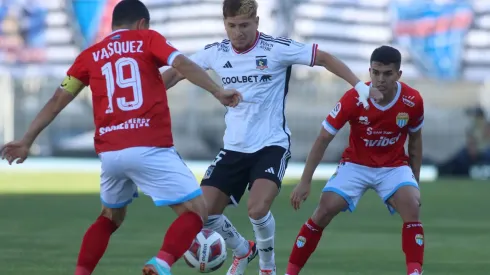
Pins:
x: 159, y: 173
x: 352, y: 180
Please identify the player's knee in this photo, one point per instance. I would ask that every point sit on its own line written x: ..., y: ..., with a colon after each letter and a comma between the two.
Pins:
x: 259, y: 207
x: 408, y: 206
x: 116, y: 215
x: 258, y: 210
x: 261, y: 197
x: 323, y: 216
x: 196, y: 205
x: 216, y: 200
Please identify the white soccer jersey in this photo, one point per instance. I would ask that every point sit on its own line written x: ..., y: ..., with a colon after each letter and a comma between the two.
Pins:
x: 261, y: 74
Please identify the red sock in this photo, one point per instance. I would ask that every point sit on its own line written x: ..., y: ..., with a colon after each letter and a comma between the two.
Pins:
x: 94, y: 245
x: 306, y: 242
x: 413, y: 243
x: 179, y: 237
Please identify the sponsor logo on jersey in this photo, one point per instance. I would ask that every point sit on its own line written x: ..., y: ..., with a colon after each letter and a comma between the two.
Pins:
x: 372, y: 131
x: 246, y: 79
x: 261, y: 62
x: 336, y: 110
x: 408, y: 100
x: 402, y: 119
x: 364, y: 120
x: 266, y: 46
x: 133, y: 123
x: 381, y: 141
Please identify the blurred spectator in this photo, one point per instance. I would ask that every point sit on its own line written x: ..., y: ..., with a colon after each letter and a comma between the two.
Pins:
x: 10, y: 40
x: 477, y: 149
x: 22, y: 31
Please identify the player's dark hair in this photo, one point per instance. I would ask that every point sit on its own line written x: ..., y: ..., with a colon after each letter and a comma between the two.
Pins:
x: 387, y: 55
x: 127, y: 12
x: 232, y: 8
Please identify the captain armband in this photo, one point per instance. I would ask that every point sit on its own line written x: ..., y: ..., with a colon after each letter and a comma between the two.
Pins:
x: 72, y: 85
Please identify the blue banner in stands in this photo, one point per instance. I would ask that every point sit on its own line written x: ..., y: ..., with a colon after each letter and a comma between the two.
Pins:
x: 88, y: 14
x: 433, y: 33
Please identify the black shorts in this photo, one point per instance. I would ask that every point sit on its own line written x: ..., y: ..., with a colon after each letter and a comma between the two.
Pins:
x: 232, y: 172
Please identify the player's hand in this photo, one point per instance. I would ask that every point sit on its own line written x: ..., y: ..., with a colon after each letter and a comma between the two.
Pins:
x: 375, y: 94
x: 300, y: 194
x: 15, y: 150
x: 230, y: 98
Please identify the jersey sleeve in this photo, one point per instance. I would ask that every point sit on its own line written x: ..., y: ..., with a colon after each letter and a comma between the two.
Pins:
x: 77, y: 76
x: 417, y: 122
x: 205, y: 56
x: 290, y: 52
x: 162, y: 51
x: 339, y: 115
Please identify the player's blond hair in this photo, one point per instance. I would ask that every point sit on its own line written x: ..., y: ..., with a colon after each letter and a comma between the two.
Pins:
x: 232, y: 8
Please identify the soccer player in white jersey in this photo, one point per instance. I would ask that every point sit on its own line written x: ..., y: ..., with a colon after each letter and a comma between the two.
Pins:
x: 257, y: 139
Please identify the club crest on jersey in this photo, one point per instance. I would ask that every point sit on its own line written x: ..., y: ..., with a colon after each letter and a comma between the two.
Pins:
x: 300, y: 242
x: 261, y: 62
x: 402, y: 120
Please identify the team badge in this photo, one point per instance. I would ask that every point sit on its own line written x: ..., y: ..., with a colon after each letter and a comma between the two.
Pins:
x: 300, y: 241
x: 261, y: 62
x: 419, y: 239
x: 402, y: 120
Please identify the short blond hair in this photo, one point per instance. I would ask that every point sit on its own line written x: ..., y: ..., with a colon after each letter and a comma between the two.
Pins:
x: 233, y: 8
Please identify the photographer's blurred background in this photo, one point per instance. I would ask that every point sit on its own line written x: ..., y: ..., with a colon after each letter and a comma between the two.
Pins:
x: 445, y: 46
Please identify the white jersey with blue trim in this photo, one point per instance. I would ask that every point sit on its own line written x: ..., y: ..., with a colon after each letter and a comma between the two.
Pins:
x: 261, y: 74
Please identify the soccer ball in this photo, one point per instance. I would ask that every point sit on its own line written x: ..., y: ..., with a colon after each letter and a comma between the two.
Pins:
x: 207, y: 252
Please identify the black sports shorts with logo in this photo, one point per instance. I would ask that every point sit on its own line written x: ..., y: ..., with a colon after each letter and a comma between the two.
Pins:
x: 232, y: 172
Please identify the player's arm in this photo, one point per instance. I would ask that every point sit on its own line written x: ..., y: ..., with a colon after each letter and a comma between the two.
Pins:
x: 415, y: 139
x: 171, y: 77
x: 19, y: 150
x: 316, y: 155
x: 202, y: 58
x: 61, y: 98
x: 317, y: 151
x: 195, y: 74
x: 415, y: 152
x: 74, y: 82
x: 331, y: 125
x: 165, y: 54
x: 338, y: 68
x: 77, y: 78
x: 297, y: 53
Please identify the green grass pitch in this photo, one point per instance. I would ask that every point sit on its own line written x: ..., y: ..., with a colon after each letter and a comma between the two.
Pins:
x: 43, y: 217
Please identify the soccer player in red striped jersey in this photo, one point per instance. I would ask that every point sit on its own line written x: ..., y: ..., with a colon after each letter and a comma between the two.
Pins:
x: 375, y: 159
x: 133, y: 136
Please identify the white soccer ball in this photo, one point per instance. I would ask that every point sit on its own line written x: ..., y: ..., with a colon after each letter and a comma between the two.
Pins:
x: 207, y: 252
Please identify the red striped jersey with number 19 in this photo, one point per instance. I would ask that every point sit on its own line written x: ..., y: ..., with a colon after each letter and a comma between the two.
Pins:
x: 129, y: 97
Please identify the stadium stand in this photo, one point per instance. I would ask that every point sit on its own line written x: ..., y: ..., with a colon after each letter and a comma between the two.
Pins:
x: 351, y: 29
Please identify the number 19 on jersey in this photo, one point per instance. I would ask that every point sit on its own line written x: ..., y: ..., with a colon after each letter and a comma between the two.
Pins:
x: 133, y: 82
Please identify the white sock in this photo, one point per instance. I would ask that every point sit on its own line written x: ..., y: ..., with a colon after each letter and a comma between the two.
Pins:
x: 225, y: 228
x: 264, y: 230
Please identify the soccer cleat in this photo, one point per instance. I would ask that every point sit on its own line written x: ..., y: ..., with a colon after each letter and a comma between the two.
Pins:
x: 267, y: 271
x: 416, y: 272
x: 152, y: 267
x: 240, y: 264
